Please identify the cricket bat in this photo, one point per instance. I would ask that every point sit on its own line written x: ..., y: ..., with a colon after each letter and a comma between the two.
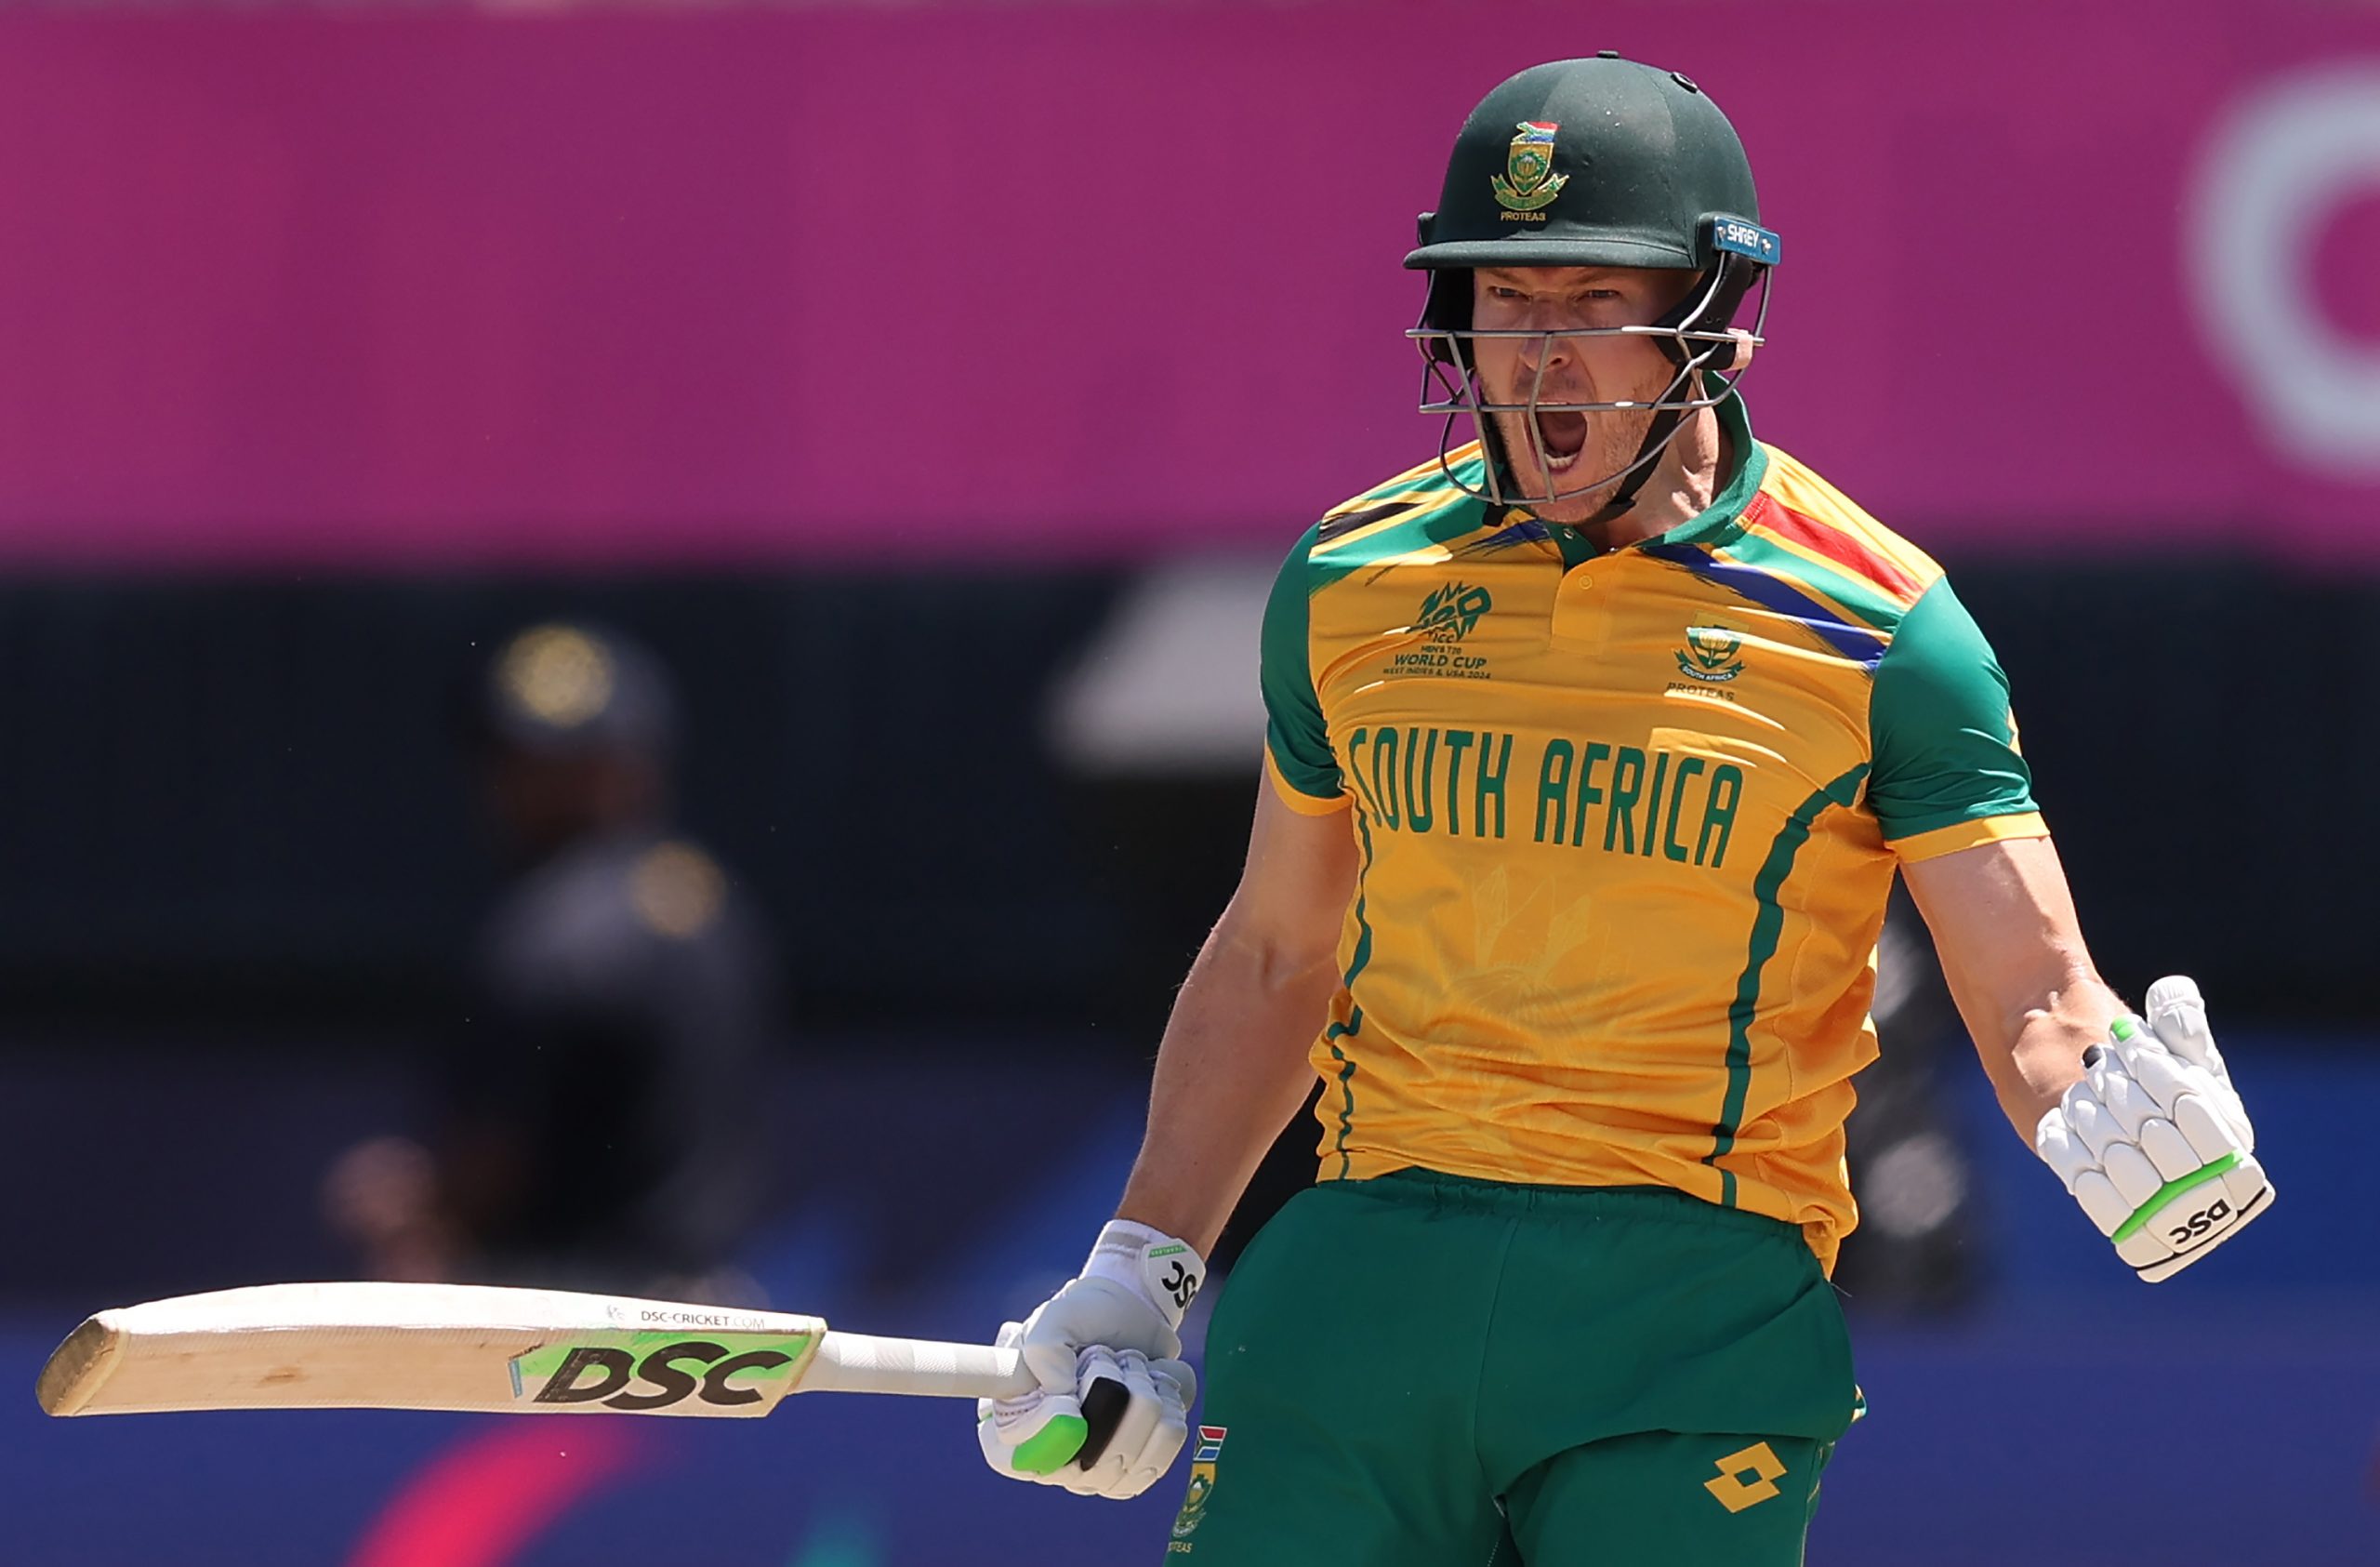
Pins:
x: 477, y: 1347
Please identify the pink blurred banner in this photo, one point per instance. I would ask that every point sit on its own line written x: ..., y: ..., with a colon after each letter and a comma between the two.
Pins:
x: 927, y: 285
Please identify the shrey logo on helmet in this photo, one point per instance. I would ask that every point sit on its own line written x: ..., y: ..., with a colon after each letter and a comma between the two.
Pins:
x: 1528, y: 181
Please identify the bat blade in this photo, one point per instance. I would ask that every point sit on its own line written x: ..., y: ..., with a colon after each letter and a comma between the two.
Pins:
x: 482, y: 1349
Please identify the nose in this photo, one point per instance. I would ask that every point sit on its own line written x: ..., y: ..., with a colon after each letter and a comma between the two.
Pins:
x: 1549, y: 353
x: 1544, y: 356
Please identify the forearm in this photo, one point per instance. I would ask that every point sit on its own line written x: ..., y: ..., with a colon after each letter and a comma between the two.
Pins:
x: 2034, y: 1055
x: 2011, y: 948
x: 1230, y: 1073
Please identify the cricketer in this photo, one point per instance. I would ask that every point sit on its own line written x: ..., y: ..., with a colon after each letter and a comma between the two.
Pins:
x: 1593, y: 745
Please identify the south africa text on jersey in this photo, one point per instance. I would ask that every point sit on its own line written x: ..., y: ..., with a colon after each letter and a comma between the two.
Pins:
x: 1587, y: 793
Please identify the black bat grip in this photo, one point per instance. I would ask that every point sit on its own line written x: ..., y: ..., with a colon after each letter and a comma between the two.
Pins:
x: 1103, y: 1411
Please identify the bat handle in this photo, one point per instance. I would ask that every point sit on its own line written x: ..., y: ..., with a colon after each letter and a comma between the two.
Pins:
x: 1103, y: 1411
x: 859, y: 1363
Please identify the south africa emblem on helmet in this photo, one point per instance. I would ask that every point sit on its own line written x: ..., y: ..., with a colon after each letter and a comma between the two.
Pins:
x: 1528, y: 181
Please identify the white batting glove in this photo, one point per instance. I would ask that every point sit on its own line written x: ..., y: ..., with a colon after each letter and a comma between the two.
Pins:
x: 1113, y: 1408
x: 2154, y: 1143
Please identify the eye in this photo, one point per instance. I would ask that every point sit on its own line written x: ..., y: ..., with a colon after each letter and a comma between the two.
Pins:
x: 1497, y: 291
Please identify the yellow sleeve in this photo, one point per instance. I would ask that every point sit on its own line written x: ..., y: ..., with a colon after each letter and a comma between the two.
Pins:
x: 1302, y: 804
x: 1968, y: 834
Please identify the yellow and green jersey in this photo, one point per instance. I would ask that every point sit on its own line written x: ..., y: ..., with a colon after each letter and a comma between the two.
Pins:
x: 1627, y: 823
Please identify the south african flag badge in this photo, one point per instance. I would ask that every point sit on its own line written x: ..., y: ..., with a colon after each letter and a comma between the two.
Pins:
x: 1202, y: 1485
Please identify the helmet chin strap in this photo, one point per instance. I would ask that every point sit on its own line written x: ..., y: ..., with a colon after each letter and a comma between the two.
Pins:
x: 1658, y: 434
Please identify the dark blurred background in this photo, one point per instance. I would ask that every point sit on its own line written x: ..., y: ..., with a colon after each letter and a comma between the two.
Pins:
x: 924, y: 393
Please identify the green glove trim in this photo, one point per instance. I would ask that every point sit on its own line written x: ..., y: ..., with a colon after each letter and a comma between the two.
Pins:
x: 1052, y: 1447
x: 2158, y: 1199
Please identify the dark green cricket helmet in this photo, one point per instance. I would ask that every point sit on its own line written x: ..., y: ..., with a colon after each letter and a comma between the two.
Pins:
x: 1597, y: 163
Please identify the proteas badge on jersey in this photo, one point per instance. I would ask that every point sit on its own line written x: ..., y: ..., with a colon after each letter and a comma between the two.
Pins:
x: 1529, y: 182
x: 1712, y: 653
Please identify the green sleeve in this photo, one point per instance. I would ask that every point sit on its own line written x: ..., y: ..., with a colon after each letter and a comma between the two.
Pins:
x: 1944, y: 743
x: 1294, y: 731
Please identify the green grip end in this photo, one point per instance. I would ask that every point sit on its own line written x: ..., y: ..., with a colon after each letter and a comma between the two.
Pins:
x: 2123, y: 1028
x: 1052, y: 1447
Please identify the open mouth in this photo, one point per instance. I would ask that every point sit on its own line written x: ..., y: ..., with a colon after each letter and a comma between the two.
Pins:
x: 1561, y: 436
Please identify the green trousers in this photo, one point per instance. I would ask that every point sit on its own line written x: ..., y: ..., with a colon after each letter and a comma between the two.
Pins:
x: 1423, y: 1371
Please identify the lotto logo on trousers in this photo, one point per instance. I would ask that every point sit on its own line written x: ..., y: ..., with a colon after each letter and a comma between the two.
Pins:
x: 1746, y: 1477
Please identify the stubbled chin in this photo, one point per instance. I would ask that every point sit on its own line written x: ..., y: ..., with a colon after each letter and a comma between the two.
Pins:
x: 1578, y: 480
x: 1578, y: 489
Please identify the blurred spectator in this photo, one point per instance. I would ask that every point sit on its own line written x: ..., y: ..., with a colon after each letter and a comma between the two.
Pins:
x: 600, y: 1109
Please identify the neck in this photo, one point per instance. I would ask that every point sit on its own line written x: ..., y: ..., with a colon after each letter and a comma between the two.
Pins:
x: 1687, y: 479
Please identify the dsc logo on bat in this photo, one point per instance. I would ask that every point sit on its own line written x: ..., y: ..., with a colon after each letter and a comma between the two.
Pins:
x: 657, y: 1372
